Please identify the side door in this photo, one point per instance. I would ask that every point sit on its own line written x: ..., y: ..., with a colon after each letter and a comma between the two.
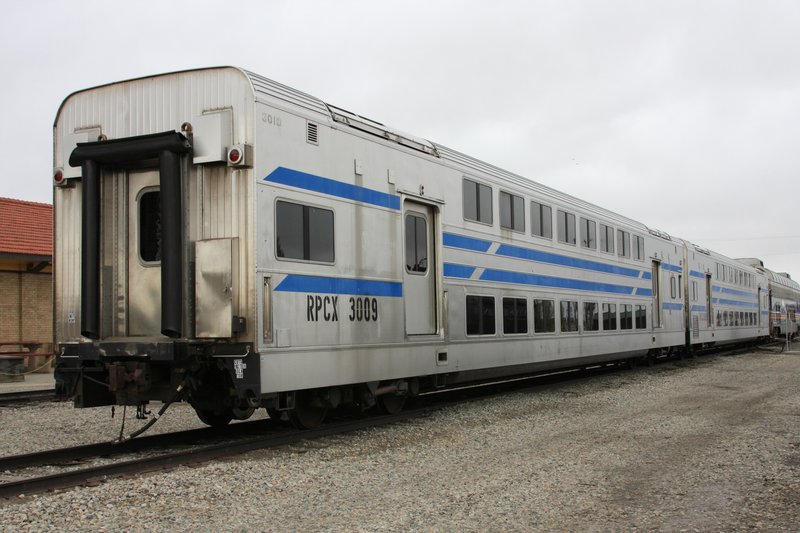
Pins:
x: 419, y: 269
x: 144, y: 253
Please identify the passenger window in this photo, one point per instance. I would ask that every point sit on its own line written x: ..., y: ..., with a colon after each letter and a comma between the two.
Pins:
x: 638, y: 248
x: 544, y: 316
x: 150, y: 227
x: 588, y: 234
x: 477, y: 202
x: 512, y: 211
x: 623, y: 243
x: 480, y: 315
x: 569, y: 316
x: 566, y: 227
x: 591, y: 317
x: 515, y: 315
x: 541, y: 220
x: 416, y: 244
x: 609, y: 317
x: 641, y: 317
x: 626, y: 317
x: 606, y: 238
x: 304, y: 232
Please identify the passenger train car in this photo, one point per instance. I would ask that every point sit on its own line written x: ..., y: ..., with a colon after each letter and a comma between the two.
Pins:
x: 229, y: 241
x: 784, y: 300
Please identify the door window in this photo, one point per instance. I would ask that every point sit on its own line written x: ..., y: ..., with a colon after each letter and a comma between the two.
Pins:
x: 416, y: 244
x: 150, y: 226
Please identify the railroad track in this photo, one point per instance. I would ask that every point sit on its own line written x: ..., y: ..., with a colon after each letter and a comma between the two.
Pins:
x: 207, y: 444
x: 21, y: 397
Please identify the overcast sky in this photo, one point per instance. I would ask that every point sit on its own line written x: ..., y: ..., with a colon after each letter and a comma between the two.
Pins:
x: 684, y: 115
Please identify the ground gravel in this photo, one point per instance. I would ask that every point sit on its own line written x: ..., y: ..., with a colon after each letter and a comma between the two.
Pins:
x: 711, y: 444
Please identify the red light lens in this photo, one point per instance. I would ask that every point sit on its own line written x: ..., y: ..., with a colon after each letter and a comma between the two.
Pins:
x: 58, y: 177
x: 234, y: 155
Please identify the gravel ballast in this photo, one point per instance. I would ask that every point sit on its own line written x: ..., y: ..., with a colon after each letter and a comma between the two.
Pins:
x: 710, y: 444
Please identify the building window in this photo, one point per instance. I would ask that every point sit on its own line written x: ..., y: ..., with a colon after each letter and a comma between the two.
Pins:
x: 480, y: 315
x: 638, y: 247
x: 515, y: 315
x: 569, y: 316
x: 541, y: 220
x: 609, y: 317
x: 304, y: 232
x: 606, y: 238
x: 641, y: 317
x: 566, y: 227
x: 626, y: 316
x: 150, y: 226
x: 544, y: 316
x: 416, y: 244
x: 591, y: 317
x: 512, y: 211
x: 588, y: 234
x: 623, y: 243
x: 477, y: 202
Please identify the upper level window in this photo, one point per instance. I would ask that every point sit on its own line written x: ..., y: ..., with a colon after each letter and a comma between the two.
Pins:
x: 566, y: 227
x: 638, y: 248
x: 623, y: 243
x: 477, y: 202
x: 150, y: 226
x: 512, y: 211
x: 606, y: 238
x: 416, y: 244
x: 541, y: 220
x: 304, y: 232
x: 588, y: 233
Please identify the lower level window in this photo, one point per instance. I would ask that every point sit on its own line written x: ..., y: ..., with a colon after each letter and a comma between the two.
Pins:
x: 304, y: 232
x: 591, y: 317
x: 480, y: 315
x: 515, y: 315
x: 609, y: 317
x: 544, y: 316
x: 641, y: 317
x: 569, y: 316
x: 626, y: 317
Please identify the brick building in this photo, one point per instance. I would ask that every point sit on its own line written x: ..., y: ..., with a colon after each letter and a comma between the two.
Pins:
x: 26, y: 266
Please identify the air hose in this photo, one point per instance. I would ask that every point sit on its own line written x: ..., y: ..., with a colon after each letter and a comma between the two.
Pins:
x: 154, y: 419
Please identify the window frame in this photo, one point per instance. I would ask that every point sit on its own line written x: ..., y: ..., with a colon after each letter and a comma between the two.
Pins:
x: 603, y: 237
x: 573, y: 304
x: 585, y: 225
x: 624, y: 238
x: 542, y: 218
x: 483, y: 298
x: 139, y: 219
x: 567, y: 216
x: 553, y: 317
x: 478, y: 204
x: 609, y: 305
x: 512, y: 211
x: 596, y: 319
x: 306, y: 206
x: 424, y: 218
x: 516, y: 318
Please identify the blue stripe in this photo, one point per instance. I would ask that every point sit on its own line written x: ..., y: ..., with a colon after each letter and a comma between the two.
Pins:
x: 545, y: 257
x: 310, y: 182
x: 736, y: 303
x: 466, y: 243
x: 672, y: 268
x: 725, y: 290
x: 672, y: 307
x: 520, y: 278
x: 696, y: 274
x: 452, y: 240
x: 644, y: 292
x: 323, y: 285
x: 699, y: 308
x: 458, y: 271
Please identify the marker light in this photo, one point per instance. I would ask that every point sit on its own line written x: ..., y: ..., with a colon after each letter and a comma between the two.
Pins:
x: 58, y: 176
x: 234, y: 156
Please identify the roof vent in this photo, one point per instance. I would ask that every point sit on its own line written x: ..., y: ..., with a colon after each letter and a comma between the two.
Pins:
x: 311, y: 133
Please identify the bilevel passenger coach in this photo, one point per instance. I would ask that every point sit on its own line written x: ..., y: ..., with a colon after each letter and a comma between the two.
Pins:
x: 229, y: 241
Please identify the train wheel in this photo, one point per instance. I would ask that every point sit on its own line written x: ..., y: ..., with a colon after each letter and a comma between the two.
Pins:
x: 391, y: 404
x: 215, y: 419
x: 305, y: 414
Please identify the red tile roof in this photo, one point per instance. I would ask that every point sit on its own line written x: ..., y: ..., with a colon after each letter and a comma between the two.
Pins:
x: 26, y: 228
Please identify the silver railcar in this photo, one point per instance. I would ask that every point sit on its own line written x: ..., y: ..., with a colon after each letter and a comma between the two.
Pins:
x: 231, y: 241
